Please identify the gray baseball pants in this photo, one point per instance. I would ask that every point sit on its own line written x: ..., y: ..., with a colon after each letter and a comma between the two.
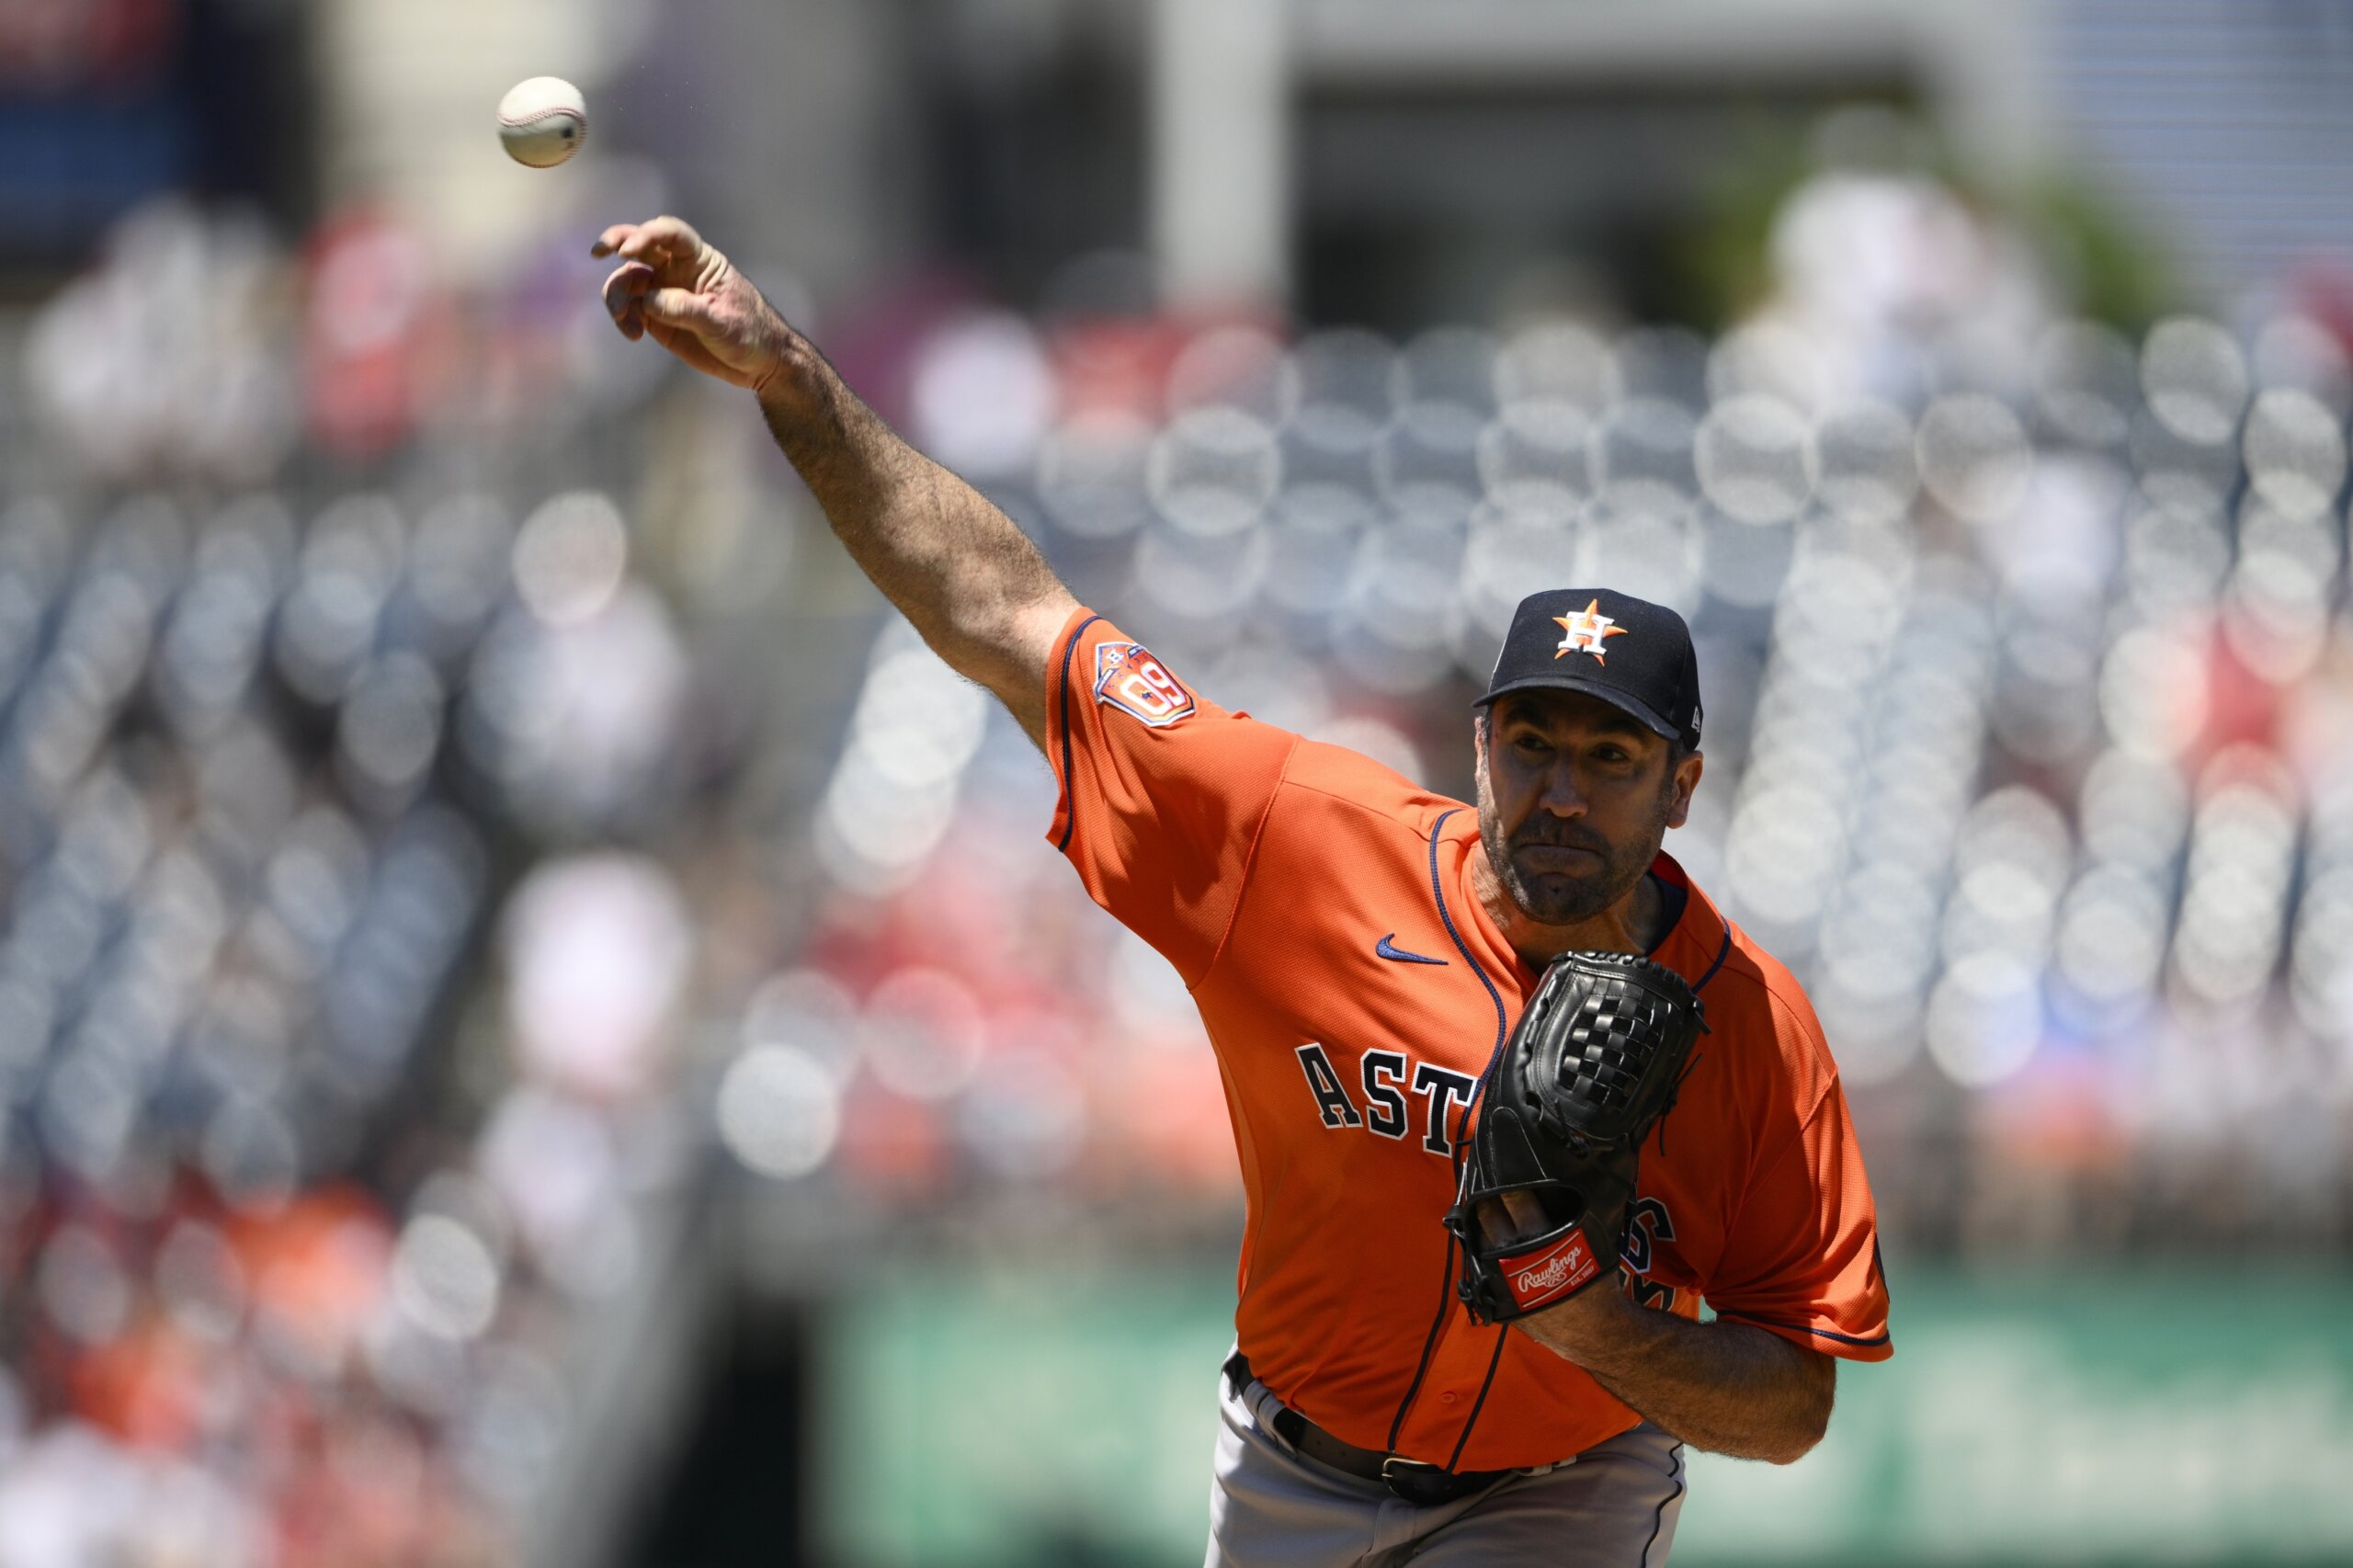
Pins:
x: 1270, y: 1507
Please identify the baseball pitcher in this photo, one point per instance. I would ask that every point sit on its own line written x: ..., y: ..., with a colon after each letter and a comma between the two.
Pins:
x: 1512, y: 1099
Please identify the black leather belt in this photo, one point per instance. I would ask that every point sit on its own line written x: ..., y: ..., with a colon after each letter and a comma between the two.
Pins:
x: 1423, y: 1485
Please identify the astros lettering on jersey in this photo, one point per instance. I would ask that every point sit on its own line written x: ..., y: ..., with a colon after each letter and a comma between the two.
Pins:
x: 1320, y: 908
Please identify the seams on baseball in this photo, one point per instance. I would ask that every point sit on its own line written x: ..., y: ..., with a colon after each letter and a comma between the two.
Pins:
x: 542, y: 122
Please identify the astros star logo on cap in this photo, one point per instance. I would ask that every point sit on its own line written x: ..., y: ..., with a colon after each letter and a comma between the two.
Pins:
x: 1585, y: 632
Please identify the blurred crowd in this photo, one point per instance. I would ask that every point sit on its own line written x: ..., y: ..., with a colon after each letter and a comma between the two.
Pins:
x: 316, y: 696
x: 2026, y: 675
x: 405, y: 885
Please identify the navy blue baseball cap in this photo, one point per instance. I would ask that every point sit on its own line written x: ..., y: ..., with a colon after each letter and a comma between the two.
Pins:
x: 1630, y: 653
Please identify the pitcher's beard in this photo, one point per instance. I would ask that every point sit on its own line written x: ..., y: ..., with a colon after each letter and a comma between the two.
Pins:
x: 1557, y: 898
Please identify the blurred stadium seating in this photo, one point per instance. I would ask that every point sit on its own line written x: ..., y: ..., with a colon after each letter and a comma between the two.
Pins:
x: 347, y: 641
x: 2022, y: 663
x: 278, y: 742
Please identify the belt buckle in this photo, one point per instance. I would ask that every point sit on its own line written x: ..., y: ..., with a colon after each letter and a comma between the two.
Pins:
x: 1422, y: 1484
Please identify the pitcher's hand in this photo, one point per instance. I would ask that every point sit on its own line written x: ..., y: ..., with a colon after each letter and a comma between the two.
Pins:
x: 693, y: 302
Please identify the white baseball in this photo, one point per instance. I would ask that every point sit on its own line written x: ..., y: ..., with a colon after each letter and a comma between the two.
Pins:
x: 542, y: 122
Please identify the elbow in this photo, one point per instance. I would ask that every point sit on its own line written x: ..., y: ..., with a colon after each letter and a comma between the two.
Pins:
x: 1005, y: 629
x: 1807, y: 1422
x: 1800, y: 1440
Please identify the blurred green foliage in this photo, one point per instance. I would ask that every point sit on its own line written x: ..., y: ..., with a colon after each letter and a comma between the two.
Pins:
x: 2101, y: 257
x: 2116, y: 268
x: 1721, y: 268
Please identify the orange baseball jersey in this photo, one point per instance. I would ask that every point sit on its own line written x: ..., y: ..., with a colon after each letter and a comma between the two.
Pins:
x: 1320, y: 908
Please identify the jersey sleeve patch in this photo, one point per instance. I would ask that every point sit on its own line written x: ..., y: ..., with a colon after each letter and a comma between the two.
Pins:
x: 1128, y: 678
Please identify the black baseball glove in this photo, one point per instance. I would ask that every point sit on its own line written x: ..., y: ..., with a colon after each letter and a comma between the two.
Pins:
x: 1593, y: 1065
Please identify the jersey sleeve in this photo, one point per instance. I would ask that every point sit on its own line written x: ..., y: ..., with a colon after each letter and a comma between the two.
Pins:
x: 1802, y: 1257
x: 1162, y: 792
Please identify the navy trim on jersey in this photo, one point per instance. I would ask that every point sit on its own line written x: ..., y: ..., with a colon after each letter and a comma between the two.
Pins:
x: 1502, y: 1331
x: 1801, y: 1328
x: 1462, y: 1129
x: 1429, y: 1345
x: 1070, y: 652
x: 1437, y: 892
x: 1678, y: 896
x: 1462, y: 1125
x: 1723, y: 953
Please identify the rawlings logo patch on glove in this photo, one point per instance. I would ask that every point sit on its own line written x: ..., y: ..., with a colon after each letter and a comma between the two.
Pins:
x: 1591, y: 1068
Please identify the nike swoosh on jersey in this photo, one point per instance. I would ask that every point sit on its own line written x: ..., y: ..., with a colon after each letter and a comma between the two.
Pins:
x: 1387, y: 947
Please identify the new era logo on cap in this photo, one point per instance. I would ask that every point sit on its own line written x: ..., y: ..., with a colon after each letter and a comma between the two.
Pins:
x: 1626, y: 650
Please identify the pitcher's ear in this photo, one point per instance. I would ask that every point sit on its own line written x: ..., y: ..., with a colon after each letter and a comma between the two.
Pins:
x: 1688, y: 771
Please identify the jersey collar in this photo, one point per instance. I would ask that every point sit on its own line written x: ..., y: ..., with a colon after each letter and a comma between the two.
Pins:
x: 1694, y: 944
x: 1689, y: 947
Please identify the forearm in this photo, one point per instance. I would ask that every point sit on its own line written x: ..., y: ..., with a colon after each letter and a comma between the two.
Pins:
x: 957, y: 568
x: 1727, y: 1387
x: 976, y: 589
